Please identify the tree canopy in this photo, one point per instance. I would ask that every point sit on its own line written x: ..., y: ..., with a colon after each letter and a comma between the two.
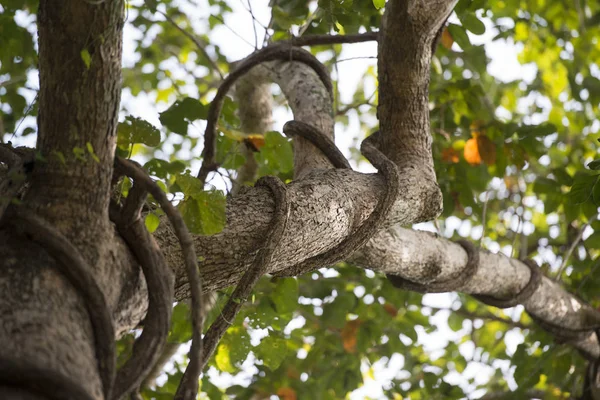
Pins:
x: 515, y: 159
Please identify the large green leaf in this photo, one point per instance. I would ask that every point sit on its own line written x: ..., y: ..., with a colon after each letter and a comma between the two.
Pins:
x: 182, y: 113
x: 272, y: 350
x: 136, y: 130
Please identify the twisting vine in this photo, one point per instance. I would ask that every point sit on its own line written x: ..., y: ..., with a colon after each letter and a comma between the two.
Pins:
x: 257, y: 269
x: 188, y: 387
x: 77, y: 271
x: 73, y: 266
x: 278, y: 51
x: 159, y: 280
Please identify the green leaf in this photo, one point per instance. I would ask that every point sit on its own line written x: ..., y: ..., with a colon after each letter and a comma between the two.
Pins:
x: 455, y: 322
x: 204, y: 212
x: 594, y: 165
x: 334, y: 314
x: 233, y: 349
x: 582, y: 188
x: 181, y: 328
x: 162, y: 168
x: 545, y: 185
x: 86, y: 58
x: 90, y: 150
x: 276, y: 156
x: 136, y: 130
x: 285, y: 295
x: 223, y: 358
x: 79, y: 153
x: 541, y: 130
x: 593, y: 241
x: 379, y: 4
x: 473, y: 24
x: 596, y: 193
x: 459, y: 34
x: 229, y: 112
x: 562, y: 176
x: 189, y: 185
x: 272, y: 350
x: 152, y: 221
x: 264, y: 316
x: 181, y: 113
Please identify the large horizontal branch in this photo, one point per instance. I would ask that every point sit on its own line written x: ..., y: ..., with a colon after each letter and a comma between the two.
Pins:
x: 327, y: 206
x: 426, y: 258
x: 421, y: 257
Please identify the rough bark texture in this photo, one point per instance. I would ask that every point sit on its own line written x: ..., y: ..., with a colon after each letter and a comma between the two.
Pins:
x: 44, y: 322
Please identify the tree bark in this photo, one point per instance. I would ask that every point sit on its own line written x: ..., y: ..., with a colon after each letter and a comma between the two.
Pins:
x: 45, y: 328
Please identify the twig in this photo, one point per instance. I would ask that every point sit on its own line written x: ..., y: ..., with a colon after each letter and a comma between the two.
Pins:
x: 581, y: 16
x: 483, y: 217
x: 491, y: 317
x: 572, y: 248
x: 218, y: 18
x: 270, y: 23
x: 357, y: 58
x: 529, y: 394
x: 254, y: 20
x: 27, y: 111
x: 318, y: 40
x: 12, y: 81
x: 201, y: 46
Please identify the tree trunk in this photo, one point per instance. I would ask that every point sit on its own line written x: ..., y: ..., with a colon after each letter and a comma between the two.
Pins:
x: 48, y: 345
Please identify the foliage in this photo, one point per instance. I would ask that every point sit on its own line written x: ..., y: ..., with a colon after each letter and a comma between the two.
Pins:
x: 514, y: 159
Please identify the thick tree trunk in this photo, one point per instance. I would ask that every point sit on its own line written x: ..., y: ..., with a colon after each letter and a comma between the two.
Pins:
x: 46, y: 335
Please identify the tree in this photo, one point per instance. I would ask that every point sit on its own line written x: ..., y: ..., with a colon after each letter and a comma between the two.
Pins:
x: 507, y: 158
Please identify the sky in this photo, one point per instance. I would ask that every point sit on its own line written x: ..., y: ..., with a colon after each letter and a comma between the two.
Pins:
x: 236, y: 43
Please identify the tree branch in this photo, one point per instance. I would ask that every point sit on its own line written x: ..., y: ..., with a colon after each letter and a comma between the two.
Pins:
x: 199, y: 45
x: 319, y: 40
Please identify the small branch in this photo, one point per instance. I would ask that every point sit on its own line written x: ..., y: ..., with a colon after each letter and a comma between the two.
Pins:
x: 348, y: 107
x: 319, y: 40
x: 529, y: 394
x: 12, y: 81
x: 254, y: 20
x: 218, y: 18
x: 581, y: 16
x: 201, y: 46
x: 572, y: 248
x: 490, y: 317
